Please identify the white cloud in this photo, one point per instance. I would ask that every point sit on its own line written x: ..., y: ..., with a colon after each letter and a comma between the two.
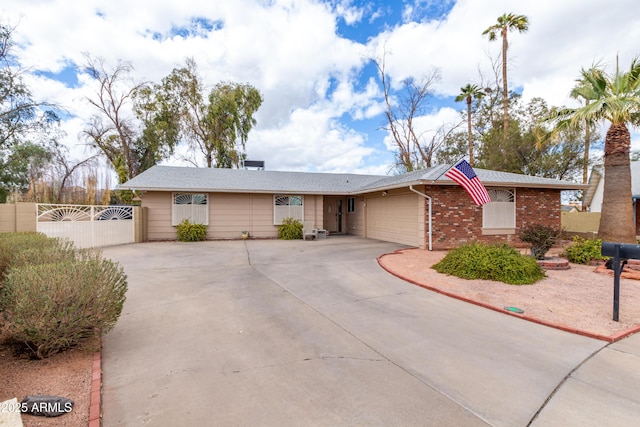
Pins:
x: 290, y: 51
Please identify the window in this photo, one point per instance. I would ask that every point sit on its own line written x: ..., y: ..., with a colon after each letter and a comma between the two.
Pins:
x: 499, y: 216
x: 351, y: 204
x: 288, y: 207
x: 194, y: 207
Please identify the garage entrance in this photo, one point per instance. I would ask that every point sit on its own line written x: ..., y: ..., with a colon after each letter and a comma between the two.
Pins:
x: 395, y: 218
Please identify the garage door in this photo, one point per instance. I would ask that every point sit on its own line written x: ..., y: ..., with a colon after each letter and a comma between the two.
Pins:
x: 394, y: 218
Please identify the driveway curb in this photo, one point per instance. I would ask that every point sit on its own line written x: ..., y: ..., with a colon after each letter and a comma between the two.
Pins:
x: 96, y: 383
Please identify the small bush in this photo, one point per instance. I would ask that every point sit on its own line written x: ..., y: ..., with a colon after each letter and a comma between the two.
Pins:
x: 290, y: 229
x: 51, y: 307
x: 188, y: 232
x: 584, y: 250
x: 491, y: 262
x: 541, y: 237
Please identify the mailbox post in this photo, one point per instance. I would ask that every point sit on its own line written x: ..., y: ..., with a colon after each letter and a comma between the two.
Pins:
x: 620, y: 252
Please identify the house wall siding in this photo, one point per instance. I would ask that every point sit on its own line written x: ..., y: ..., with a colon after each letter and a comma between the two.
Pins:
x: 456, y: 220
x: 229, y: 215
x: 355, y: 220
x: 159, y: 215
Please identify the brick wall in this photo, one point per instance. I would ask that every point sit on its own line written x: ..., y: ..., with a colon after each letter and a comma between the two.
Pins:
x: 457, y: 220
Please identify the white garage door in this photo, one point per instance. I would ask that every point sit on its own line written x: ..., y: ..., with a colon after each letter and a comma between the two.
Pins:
x: 394, y: 219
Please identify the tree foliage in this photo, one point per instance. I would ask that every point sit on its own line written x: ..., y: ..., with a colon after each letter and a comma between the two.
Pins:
x: 27, y: 127
x: 505, y: 23
x: 615, y: 98
x: 469, y: 93
x: 133, y: 126
x: 215, y: 125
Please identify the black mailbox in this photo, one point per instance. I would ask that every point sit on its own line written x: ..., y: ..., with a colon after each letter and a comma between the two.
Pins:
x: 626, y: 250
x: 620, y: 252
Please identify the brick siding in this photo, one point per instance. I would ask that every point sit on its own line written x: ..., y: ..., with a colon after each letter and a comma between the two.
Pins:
x: 457, y: 220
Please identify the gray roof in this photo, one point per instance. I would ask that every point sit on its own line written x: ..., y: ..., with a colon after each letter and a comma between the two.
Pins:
x: 171, y: 178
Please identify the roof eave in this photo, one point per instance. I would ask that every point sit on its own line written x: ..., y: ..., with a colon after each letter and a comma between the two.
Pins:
x: 230, y: 190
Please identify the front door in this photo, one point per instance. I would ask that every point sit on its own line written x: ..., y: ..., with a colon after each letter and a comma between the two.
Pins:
x: 333, y: 214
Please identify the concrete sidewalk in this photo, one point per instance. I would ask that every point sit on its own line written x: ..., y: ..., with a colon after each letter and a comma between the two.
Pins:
x: 316, y: 333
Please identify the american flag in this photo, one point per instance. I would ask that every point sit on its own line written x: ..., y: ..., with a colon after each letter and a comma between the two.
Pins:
x: 463, y: 174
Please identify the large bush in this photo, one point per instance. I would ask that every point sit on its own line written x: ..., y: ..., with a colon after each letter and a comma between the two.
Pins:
x: 290, y: 229
x: 189, y: 232
x: 583, y: 251
x: 491, y: 262
x: 51, y: 307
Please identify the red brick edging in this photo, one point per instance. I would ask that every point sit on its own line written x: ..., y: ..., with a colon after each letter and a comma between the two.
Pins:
x: 96, y: 382
x: 610, y: 339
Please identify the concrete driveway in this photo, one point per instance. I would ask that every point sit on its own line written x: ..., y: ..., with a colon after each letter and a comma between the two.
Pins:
x: 316, y: 333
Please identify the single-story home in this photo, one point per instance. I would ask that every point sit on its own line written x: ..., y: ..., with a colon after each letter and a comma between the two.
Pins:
x: 423, y: 208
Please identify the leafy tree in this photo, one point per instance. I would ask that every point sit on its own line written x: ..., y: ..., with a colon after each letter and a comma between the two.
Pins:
x: 131, y: 142
x: 525, y: 152
x: 20, y: 165
x: 468, y: 93
x: 27, y: 127
x: 506, y: 23
x: 217, y: 126
x: 614, y: 98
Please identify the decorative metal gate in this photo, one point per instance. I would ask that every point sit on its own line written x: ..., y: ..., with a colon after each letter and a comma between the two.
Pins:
x: 88, y: 226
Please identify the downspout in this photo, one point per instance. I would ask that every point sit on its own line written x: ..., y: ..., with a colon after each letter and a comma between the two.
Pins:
x: 429, y: 199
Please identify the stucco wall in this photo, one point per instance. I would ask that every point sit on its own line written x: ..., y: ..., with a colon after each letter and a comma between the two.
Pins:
x: 17, y: 217
x: 355, y: 219
x: 229, y: 215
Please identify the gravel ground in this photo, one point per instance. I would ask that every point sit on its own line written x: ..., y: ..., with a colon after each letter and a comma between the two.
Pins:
x: 580, y: 298
x: 66, y: 374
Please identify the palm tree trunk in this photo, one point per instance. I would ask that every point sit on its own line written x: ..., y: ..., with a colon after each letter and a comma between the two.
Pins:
x: 469, y: 130
x: 505, y: 90
x: 616, y: 218
x: 587, y: 142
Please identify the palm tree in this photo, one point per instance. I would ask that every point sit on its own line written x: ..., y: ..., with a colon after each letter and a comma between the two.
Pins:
x: 616, y: 99
x: 581, y: 91
x: 506, y: 23
x: 468, y: 94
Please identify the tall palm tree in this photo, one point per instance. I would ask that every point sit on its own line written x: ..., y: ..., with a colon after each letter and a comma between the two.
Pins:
x: 506, y: 23
x: 582, y: 91
x: 614, y: 98
x: 468, y: 93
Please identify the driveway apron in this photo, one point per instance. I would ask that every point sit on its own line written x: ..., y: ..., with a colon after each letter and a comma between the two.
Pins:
x: 316, y: 333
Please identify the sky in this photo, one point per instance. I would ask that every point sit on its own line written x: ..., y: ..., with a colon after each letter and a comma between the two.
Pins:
x: 311, y: 59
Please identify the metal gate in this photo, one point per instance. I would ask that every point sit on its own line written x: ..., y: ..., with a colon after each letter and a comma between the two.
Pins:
x: 87, y: 226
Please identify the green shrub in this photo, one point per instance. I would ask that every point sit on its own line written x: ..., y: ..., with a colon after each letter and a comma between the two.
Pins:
x: 188, y: 232
x: 31, y: 248
x: 541, y: 237
x: 491, y: 262
x: 584, y: 250
x: 290, y: 229
x: 51, y: 307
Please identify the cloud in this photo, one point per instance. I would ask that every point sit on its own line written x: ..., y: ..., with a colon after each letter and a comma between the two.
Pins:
x: 319, y: 93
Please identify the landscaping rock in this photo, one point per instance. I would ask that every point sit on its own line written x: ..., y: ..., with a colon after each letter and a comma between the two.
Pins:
x: 10, y: 413
x: 46, y: 406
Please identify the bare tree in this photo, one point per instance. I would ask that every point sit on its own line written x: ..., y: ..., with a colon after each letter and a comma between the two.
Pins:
x: 67, y: 169
x: 111, y: 130
x: 401, y: 110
